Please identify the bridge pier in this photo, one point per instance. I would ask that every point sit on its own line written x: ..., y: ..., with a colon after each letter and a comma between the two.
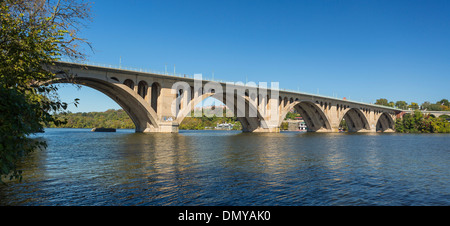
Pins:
x: 266, y: 130
x: 164, y: 127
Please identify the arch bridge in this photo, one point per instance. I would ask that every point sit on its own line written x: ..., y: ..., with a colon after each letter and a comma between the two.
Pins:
x: 148, y: 98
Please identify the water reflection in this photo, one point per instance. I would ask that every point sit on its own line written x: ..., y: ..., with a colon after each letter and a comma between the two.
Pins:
x: 233, y: 168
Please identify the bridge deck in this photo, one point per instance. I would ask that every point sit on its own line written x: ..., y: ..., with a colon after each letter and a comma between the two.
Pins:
x: 190, y: 78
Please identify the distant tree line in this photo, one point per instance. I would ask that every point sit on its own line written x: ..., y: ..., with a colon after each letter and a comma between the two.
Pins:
x: 118, y: 119
x: 202, y: 123
x: 442, y: 105
x: 416, y: 122
x: 208, y: 120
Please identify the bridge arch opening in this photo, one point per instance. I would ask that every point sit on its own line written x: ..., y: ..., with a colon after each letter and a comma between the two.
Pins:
x: 385, y: 123
x: 312, y: 114
x: 89, y: 114
x: 136, y: 108
x: 208, y: 112
x: 243, y: 117
x: 353, y: 120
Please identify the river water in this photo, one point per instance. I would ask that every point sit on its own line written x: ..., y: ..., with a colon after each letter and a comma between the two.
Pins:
x: 80, y: 167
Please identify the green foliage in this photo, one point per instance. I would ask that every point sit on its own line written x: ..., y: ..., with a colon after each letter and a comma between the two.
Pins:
x: 382, y: 101
x: 444, y: 102
x: 401, y: 104
x: 442, y: 105
x: 118, y: 119
x: 204, y: 122
x: 291, y: 115
x: 413, y: 106
x: 33, y: 35
x: 284, y: 126
x: 343, y: 125
x: 419, y: 123
x: 17, y: 117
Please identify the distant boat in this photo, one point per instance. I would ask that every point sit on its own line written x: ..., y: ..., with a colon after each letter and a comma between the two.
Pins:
x: 103, y: 130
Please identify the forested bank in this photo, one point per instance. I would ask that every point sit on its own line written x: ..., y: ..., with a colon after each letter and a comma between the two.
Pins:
x: 422, y: 123
x: 410, y: 123
x: 109, y: 119
x: 120, y: 120
x: 418, y: 122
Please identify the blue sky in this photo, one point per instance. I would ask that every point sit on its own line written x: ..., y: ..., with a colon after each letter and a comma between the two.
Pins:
x: 361, y: 50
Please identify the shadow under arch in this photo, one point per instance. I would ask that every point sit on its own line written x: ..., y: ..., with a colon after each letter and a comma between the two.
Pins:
x: 155, y: 93
x: 143, y: 117
x: 355, y: 120
x: 249, y: 122
x: 314, y: 117
x: 385, y: 123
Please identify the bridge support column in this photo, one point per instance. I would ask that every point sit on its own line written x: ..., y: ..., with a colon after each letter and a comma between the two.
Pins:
x: 164, y: 127
x: 324, y: 130
x: 267, y: 130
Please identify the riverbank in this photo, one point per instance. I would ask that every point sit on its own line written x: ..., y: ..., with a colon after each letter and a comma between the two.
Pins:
x: 422, y: 123
x: 120, y: 120
x: 410, y: 123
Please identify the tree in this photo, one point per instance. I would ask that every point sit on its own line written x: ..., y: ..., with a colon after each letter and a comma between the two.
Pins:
x: 420, y: 123
x: 444, y: 102
x: 414, y: 106
x: 382, y: 101
x: 399, y: 126
x: 33, y: 34
x: 401, y: 104
x: 426, y: 105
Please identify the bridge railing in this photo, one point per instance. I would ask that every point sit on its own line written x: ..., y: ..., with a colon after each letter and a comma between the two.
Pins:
x: 137, y: 69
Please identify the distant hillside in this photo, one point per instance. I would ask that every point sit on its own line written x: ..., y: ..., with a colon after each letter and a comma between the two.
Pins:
x: 120, y: 120
x: 109, y: 119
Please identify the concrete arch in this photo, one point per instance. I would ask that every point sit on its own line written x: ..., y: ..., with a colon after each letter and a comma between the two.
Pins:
x: 385, y: 123
x: 356, y: 120
x: 143, y: 117
x: 249, y: 124
x: 431, y: 115
x: 314, y: 117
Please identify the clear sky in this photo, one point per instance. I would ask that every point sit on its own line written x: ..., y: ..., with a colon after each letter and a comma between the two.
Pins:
x: 362, y: 50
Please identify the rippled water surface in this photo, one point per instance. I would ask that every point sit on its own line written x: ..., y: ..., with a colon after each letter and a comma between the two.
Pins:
x: 80, y: 167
